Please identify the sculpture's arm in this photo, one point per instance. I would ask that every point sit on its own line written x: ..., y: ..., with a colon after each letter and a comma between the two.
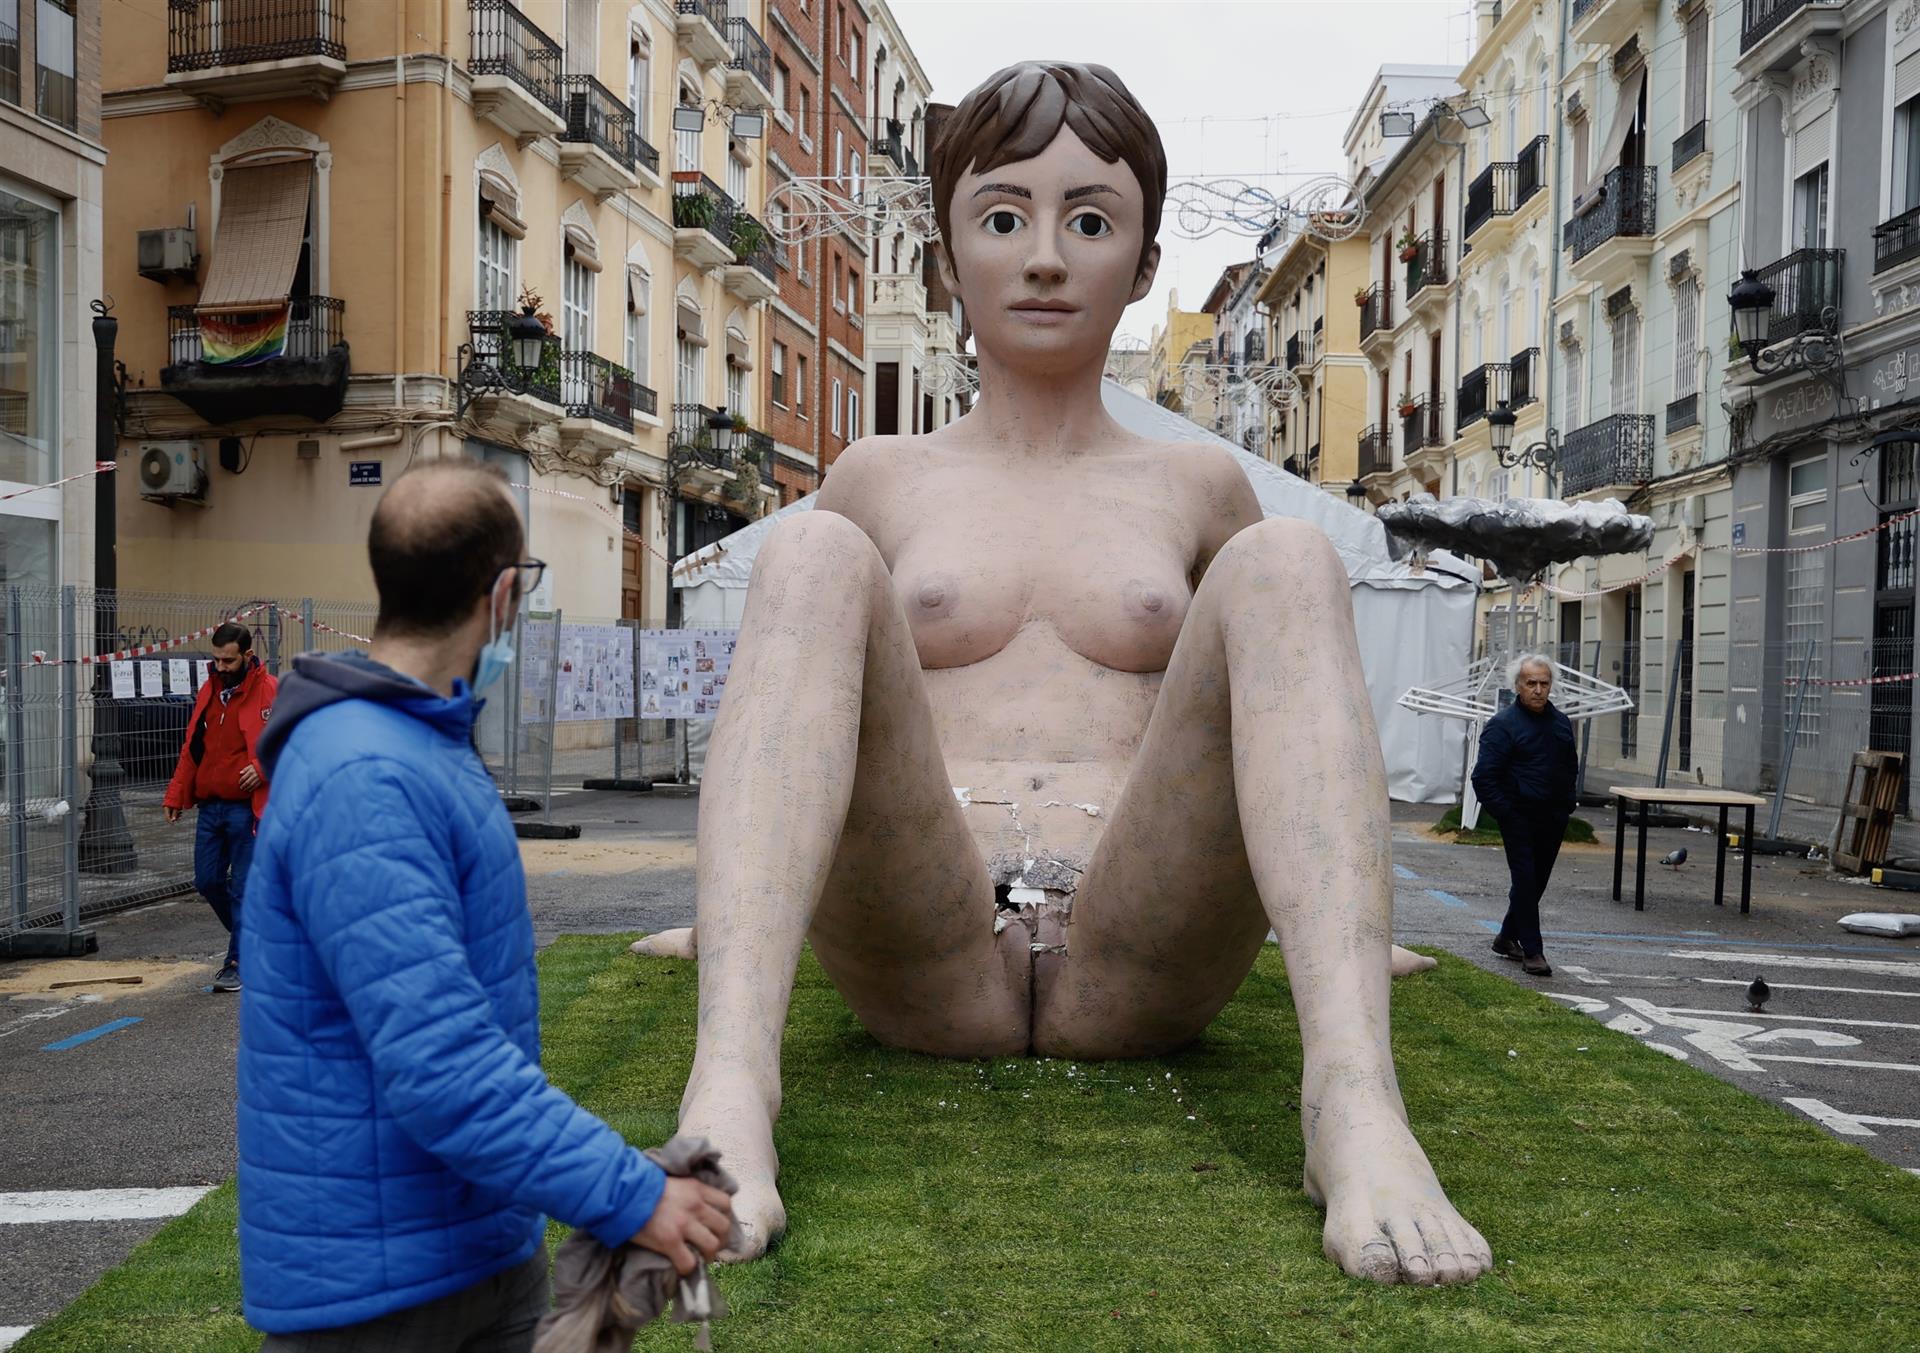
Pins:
x: 1224, y: 503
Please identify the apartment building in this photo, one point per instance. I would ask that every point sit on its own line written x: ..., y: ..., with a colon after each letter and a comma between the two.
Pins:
x: 1185, y: 339
x: 1237, y: 410
x: 1314, y: 334
x: 51, y: 175
x: 348, y: 235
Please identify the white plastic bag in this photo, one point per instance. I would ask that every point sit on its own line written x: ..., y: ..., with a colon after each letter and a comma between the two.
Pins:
x: 1892, y: 924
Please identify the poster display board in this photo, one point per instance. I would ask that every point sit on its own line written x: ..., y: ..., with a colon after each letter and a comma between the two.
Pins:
x: 596, y: 673
x: 683, y: 673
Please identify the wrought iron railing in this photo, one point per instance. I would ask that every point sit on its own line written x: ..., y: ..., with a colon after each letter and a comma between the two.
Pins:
x: 891, y: 142
x: 1582, y: 8
x: 503, y: 41
x: 752, y: 245
x: 1689, y: 143
x: 701, y: 204
x: 1522, y: 381
x: 760, y: 445
x: 1625, y: 209
x: 1896, y: 241
x: 1616, y: 450
x: 314, y: 328
x: 1683, y: 413
x: 1489, y: 195
x: 1376, y: 452
x: 1428, y: 267
x: 1530, y: 171
x: 598, y: 116
x: 1374, y: 309
x: 9, y: 61
x: 593, y: 387
x: 715, y: 11
x: 206, y: 34
x: 1253, y: 347
x: 1480, y: 389
x: 1806, y: 283
x: 750, y: 52
x: 490, y: 368
x: 1425, y: 426
x: 1296, y: 350
x: 694, y: 438
x: 1760, y: 17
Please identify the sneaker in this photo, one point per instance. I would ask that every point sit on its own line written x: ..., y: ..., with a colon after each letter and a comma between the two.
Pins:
x: 1536, y: 965
x: 228, y: 978
x: 1508, y: 949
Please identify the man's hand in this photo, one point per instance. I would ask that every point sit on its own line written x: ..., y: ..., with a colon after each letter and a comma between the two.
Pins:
x: 173, y: 814
x: 689, y: 1214
x: 249, y: 778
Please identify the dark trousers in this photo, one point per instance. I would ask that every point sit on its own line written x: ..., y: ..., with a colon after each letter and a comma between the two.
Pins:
x: 1532, y: 842
x: 222, y: 854
x: 495, y: 1315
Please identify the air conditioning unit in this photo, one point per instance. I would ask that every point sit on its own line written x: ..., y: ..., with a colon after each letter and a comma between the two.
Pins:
x: 168, y: 253
x: 172, y: 470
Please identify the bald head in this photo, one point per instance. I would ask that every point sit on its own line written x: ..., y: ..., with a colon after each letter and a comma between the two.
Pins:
x: 440, y: 537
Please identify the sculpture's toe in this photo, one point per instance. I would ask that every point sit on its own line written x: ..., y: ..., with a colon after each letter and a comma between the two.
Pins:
x: 1405, y: 961
x: 666, y: 944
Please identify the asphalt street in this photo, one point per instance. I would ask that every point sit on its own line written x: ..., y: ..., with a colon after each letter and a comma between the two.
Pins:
x: 117, y: 1087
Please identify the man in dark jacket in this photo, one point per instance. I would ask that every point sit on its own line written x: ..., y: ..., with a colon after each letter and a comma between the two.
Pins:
x: 400, y: 1149
x: 1525, y: 777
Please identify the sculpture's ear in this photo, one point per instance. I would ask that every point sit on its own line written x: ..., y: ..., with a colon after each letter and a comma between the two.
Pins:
x: 943, y: 261
x: 1144, y: 282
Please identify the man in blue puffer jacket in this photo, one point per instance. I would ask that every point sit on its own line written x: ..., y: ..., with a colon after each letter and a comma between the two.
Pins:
x: 399, y: 1147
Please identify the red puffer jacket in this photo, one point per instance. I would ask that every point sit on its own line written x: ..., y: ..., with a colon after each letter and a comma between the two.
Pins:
x: 251, y: 708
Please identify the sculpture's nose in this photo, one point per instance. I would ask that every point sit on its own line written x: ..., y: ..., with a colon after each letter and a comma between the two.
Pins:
x: 1045, y: 267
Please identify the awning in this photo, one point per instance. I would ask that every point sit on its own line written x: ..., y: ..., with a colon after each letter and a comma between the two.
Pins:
x: 737, y: 350
x: 638, y: 285
x: 580, y: 248
x: 687, y: 318
x: 1623, y: 115
x: 263, y: 218
x: 500, y: 204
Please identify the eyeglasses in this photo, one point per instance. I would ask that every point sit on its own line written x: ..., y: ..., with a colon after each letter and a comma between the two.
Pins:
x: 528, y: 581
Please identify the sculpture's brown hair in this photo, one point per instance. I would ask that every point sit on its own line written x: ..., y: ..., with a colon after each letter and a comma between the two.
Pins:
x: 1015, y: 113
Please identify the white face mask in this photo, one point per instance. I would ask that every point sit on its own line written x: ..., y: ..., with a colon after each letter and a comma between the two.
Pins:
x: 495, y: 657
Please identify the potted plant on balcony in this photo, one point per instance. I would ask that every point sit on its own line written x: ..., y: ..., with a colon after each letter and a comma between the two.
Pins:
x: 1409, y: 247
x: 694, y: 211
x: 749, y: 236
x: 1408, y: 408
x: 1360, y: 296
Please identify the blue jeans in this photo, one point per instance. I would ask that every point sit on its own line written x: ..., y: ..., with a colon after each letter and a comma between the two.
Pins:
x: 222, y: 854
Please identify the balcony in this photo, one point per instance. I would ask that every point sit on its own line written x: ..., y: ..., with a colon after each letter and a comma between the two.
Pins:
x: 1806, y: 283
x: 702, y: 220
x: 899, y: 293
x: 502, y: 403
x: 1427, y: 274
x: 1896, y: 241
x: 753, y: 275
x: 1423, y: 433
x: 1609, y: 22
x: 691, y: 446
x: 891, y: 147
x: 599, y: 398
x: 1772, y: 31
x: 231, y: 51
x: 1253, y: 349
x: 701, y: 27
x: 1688, y: 146
x: 598, y: 149
x: 1376, y: 325
x: 1523, y: 384
x: 515, y: 69
x: 1296, y: 350
x: 1500, y: 190
x: 1615, y: 232
x: 749, y: 67
x: 1376, y: 453
x: 228, y: 365
x: 1480, y: 389
x: 1614, y: 453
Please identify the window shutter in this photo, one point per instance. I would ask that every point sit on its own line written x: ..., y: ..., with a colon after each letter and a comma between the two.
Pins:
x: 1906, y: 80
x: 1812, y: 144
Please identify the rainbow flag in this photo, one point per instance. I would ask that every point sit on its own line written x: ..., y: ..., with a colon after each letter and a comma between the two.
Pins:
x: 243, y: 337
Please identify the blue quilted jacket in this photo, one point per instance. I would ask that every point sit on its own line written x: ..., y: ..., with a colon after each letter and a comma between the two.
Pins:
x: 398, y: 1141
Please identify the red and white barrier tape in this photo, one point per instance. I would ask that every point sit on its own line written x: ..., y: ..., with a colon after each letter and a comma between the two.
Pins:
x: 609, y: 513
x: 1823, y: 545
x: 1893, y: 680
x: 292, y: 614
x: 40, y: 658
x: 99, y: 467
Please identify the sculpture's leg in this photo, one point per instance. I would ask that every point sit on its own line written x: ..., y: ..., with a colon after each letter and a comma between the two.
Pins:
x: 1259, y: 797
x: 824, y: 764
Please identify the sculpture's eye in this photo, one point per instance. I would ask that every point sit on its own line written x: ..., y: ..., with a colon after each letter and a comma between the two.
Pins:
x: 1002, y: 222
x: 1090, y: 224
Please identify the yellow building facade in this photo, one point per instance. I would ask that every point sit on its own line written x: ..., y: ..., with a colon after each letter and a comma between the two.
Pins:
x: 1314, y: 333
x: 322, y: 220
x: 1169, y: 348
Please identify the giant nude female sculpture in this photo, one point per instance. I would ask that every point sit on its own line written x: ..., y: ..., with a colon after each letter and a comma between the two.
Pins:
x: 1035, y: 727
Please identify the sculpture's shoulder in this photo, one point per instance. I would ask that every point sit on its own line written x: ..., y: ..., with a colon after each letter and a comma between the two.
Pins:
x: 1215, y: 491
x: 862, y: 476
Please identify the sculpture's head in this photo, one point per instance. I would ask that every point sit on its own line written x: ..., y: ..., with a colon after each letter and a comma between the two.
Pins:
x: 1047, y: 183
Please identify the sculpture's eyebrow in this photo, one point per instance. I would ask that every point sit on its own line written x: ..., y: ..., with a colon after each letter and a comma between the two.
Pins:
x: 1089, y: 191
x: 1010, y: 189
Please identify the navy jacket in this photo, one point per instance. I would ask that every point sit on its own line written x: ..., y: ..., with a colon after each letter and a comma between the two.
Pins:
x: 398, y: 1141
x: 1527, y: 764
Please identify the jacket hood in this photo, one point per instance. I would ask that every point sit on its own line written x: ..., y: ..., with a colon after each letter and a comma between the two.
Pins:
x: 322, y: 679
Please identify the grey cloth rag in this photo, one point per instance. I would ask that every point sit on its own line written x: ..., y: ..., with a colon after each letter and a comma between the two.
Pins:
x: 602, y: 1297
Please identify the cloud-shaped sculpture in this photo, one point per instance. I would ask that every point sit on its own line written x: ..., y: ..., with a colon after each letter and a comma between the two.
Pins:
x: 1520, y: 537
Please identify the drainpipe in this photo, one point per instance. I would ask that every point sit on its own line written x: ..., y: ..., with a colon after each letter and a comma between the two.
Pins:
x: 399, y: 200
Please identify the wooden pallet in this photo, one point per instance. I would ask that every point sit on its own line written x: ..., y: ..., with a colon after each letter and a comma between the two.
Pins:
x: 1865, y: 831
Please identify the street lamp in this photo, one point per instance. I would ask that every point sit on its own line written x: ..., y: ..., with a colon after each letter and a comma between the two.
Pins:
x: 1356, y: 491
x: 521, y: 342
x: 1542, y: 455
x: 1751, y: 300
x: 529, y: 339
x: 1815, y: 347
x: 720, y: 424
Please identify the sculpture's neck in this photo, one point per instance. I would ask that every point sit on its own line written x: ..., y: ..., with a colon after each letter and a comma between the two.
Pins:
x: 1050, y: 412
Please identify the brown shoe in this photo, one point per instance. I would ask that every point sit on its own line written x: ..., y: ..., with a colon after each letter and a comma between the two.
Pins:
x: 1536, y: 965
x: 1508, y: 949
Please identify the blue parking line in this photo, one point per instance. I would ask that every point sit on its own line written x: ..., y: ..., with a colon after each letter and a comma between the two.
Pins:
x: 1680, y: 941
x: 90, y: 1034
x: 1444, y: 898
x: 1404, y: 872
x: 1491, y: 927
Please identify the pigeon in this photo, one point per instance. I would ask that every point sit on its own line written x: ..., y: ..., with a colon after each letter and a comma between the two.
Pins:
x: 1757, y: 993
x: 1673, y: 859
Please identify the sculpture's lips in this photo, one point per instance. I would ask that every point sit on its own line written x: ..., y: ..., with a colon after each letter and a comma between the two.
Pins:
x: 1057, y: 306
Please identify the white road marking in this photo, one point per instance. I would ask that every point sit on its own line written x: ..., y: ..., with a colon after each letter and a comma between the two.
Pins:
x: 13, y: 1334
x: 1586, y: 1005
x: 1878, y: 967
x: 32, y: 1017
x: 1584, y: 975
x: 1835, y: 1061
x: 1797, y: 1019
x: 1848, y: 1124
x: 48, y: 1205
x: 1807, y: 986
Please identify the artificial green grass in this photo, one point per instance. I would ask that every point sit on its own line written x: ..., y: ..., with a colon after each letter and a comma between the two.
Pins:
x: 1486, y: 831
x: 1632, y: 1202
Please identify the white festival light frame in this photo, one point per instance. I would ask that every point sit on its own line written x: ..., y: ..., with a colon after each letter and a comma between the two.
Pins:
x: 805, y: 209
x: 1328, y: 208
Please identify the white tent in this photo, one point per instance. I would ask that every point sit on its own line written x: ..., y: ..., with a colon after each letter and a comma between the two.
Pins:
x: 1416, y: 628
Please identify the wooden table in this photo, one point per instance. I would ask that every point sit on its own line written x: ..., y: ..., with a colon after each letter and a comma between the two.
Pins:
x: 1647, y: 796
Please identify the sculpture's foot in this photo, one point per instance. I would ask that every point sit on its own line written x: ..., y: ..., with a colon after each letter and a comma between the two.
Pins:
x: 667, y: 944
x: 1388, y: 1220
x: 732, y: 1116
x: 1405, y: 961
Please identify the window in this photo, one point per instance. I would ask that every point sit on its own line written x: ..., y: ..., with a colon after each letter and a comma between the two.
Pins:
x: 1807, y: 494
x: 839, y: 154
x: 780, y: 374
x: 1503, y: 347
x: 639, y: 81
x: 1573, y: 367
x: 782, y: 78
x: 853, y: 290
x: 1694, y: 111
x: 853, y: 174
x: 686, y: 145
x: 736, y: 175
x: 853, y: 61
x: 736, y: 378
x: 806, y: 118
x: 493, y: 287
x: 1626, y: 361
x: 576, y: 305
x: 689, y: 375
x: 1906, y: 154
x: 1581, y: 133
x: 1686, y: 339
x: 639, y: 285
x: 839, y: 290
x: 853, y: 415
x: 30, y: 404
x: 800, y: 386
x: 10, y: 51
x: 834, y: 412
x: 1810, y: 209
x: 1807, y: 626
x: 53, y: 63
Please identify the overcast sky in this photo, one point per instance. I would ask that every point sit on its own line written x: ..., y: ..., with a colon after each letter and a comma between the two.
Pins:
x: 1258, y: 90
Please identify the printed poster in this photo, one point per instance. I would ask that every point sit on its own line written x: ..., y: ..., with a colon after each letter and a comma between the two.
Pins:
x: 596, y: 673
x: 683, y: 673
x: 152, y: 683
x: 180, y: 676
x: 123, y: 680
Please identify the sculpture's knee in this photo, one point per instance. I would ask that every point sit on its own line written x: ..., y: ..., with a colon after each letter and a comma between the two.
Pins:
x: 817, y: 544
x: 1282, y: 555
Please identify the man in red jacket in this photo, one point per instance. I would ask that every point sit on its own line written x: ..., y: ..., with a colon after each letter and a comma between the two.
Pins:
x: 218, y: 772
